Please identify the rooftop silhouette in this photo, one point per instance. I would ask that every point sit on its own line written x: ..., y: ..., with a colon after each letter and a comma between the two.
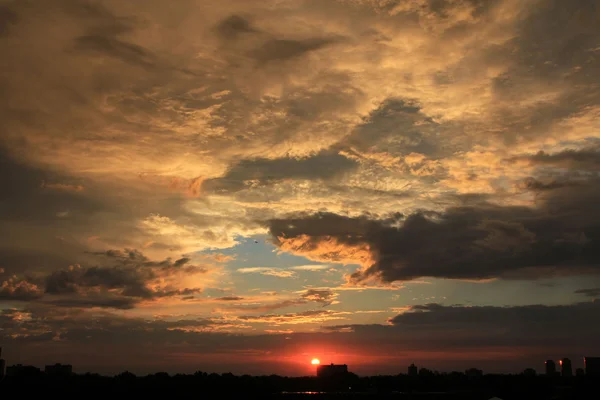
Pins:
x: 472, y: 384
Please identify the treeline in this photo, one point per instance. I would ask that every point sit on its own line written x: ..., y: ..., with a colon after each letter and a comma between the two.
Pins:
x: 204, y: 384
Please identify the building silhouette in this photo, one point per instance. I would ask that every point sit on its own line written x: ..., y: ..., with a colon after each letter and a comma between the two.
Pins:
x: 474, y: 373
x: 550, y: 368
x: 592, y: 366
x: 412, y: 370
x: 332, y: 371
x: 565, y: 367
x: 2, y: 365
x: 59, y: 370
x: 20, y: 370
x: 529, y: 372
x: 579, y: 372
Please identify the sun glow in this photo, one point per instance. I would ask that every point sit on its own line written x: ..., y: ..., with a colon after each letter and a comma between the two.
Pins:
x: 315, y: 361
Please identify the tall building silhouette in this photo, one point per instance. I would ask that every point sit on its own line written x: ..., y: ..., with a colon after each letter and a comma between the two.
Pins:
x: 592, y: 366
x: 550, y: 368
x: 23, y: 371
x: 412, y: 370
x: 2, y: 364
x: 474, y: 373
x: 58, y: 370
x: 565, y: 367
x: 332, y: 371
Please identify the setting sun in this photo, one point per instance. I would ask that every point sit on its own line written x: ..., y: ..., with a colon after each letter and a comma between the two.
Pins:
x: 315, y: 361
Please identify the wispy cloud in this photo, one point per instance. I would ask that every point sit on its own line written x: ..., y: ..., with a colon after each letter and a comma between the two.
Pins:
x: 63, y: 186
x: 268, y: 271
x: 311, y: 267
x: 306, y: 317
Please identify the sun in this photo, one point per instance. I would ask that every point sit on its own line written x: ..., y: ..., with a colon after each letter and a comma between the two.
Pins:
x: 315, y: 361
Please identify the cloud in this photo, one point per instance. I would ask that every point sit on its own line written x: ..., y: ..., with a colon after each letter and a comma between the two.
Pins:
x: 285, y: 49
x: 536, y: 185
x: 310, y: 267
x: 95, y: 301
x: 267, y: 271
x: 13, y: 289
x: 325, y: 297
x: 63, y: 186
x: 249, y: 305
x: 325, y: 165
x: 130, y: 279
x: 468, y: 327
x: 8, y: 17
x: 322, y: 296
x: 592, y: 292
x: 230, y: 298
x: 234, y: 26
x: 305, y: 317
x: 473, y: 242
x: 104, y: 37
x: 110, y: 46
x: 184, y: 237
x: 584, y: 159
x: 478, y: 321
x: 498, y: 338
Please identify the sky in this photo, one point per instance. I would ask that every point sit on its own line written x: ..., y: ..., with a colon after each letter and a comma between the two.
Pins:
x: 242, y: 185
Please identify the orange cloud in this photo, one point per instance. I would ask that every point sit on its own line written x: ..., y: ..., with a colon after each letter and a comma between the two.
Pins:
x: 63, y: 187
x: 268, y: 271
x: 326, y: 248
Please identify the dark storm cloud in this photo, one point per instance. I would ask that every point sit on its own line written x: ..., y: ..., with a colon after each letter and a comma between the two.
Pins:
x: 480, y: 7
x: 8, y: 17
x: 510, y: 318
x: 42, y: 211
x: 121, y: 285
x: 554, y: 45
x: 108, y: 301
x: 267, y: 47
x: 181, y: 262
x: 543, y: 185
x: 103, y: 34
x: 285, y: 49
x: 324, y: 165
x: 587, y: 159
x: 76, y: 325
x: 592, y: 292
x: 49, y: 218
x: 135, y: 258
x: 14, y: 289
x: 434, y: 332
x: 187, y: 292
x: 132, y: 281
x: 26, y: 192
x: 113, y: 47
x: 557, y: 37
x: 458, y: 326
x: 560, y: 236
x: 233, y: 26
x: 401, y: 119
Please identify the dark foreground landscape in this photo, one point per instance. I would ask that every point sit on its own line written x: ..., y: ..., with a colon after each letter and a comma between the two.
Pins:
x: 209, y: 386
